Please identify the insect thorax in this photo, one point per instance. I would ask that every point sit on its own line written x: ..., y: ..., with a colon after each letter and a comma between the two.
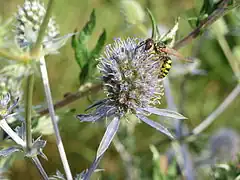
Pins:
x: 163, y: 57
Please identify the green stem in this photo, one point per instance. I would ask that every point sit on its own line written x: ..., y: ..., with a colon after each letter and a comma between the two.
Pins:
x: 36, y: 48
x: 28, y: 112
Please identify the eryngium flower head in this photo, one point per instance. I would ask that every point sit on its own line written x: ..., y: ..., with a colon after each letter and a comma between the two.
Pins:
x: 130, y: 76
x: 29, y: 19
x: 131, y: 80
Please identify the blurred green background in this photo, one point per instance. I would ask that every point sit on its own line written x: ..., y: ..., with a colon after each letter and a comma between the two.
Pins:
x: 202, y: 93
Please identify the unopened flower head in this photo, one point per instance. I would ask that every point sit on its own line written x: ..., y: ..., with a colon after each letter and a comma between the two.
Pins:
x: 29, y: 19
x: 132, y: 12
x: 130, y: 76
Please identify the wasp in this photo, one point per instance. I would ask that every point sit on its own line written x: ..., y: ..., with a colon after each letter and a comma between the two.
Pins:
x: 163, y: 53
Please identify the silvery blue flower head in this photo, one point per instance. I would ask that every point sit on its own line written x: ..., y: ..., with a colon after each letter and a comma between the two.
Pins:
x: 131, y: 80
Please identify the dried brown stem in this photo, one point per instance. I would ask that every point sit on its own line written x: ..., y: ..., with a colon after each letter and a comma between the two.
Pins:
x: 73, y: 97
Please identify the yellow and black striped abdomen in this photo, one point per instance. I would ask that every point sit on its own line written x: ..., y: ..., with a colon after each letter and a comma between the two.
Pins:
x: 166, y: 66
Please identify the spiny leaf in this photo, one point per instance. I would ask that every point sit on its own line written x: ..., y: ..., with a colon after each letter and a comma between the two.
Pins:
x: 99, y: 46
x: 37, y: 148
x: 96, y: 52
x: 170, y: 36
x: 80, y: 51
x: 155, y: 125
x: 91, y: 63
x: 52, y: 46
x: 84, y: 73
x: 78, y: 43
x: 84, y: 57
x: 57, y: 176
x: 9, y: 151
x: 88, y: 28
x: 164, y: 112
x: 74, y: 40
x: 108, y: 136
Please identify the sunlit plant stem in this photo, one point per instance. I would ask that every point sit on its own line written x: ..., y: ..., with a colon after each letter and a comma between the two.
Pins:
x: 28, y: 111
x: 47, y: 90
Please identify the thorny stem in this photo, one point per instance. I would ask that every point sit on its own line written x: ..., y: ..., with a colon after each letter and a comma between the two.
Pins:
x: 28, y: 111
x: 28, y: 123
x: 210, y: 119
x: 37, y: 45
x: 220, y: 11
x: 48, y: 95
x: 40, y: 168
